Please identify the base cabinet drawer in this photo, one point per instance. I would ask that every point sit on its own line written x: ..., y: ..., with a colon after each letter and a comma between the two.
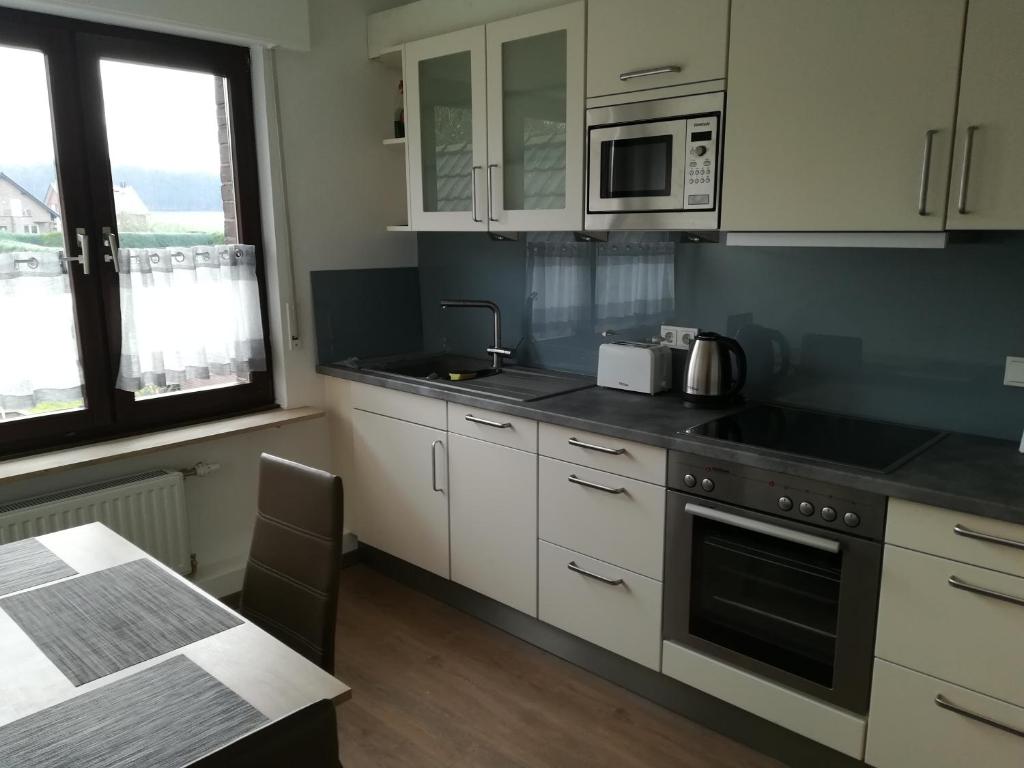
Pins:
x: 918, y: 721
x: 616, y: 609
x: 954, y: 621
x: 494, y: 427
x: 612, y: 518
x: 608, y: 454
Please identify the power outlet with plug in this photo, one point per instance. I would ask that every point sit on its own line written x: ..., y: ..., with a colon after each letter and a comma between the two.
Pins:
x: 677, y: 337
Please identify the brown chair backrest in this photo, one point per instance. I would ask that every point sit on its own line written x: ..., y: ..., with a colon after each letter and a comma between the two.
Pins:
x: 291, y: 579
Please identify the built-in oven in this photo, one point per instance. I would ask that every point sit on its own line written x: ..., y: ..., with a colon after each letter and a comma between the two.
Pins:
x: 774, y: 574
x: 655, y: 164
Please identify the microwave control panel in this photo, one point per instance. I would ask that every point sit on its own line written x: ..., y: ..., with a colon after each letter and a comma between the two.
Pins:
x: 700, y: 181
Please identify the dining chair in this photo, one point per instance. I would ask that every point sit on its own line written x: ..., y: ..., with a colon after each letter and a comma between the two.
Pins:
x: 291, y: 578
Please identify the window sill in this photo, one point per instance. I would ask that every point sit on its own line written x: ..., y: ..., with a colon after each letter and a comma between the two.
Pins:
x: 97, y: 453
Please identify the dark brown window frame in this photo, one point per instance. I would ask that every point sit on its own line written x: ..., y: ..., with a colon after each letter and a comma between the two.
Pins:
x: 73, y: 49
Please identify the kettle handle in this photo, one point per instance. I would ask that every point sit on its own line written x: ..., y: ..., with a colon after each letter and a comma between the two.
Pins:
x: 741, y: 366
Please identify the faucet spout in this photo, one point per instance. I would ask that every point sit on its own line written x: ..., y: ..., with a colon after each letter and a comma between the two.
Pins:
x: 496, y: 351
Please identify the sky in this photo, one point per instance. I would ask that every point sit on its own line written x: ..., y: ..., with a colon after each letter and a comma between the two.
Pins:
x: 156, y: 117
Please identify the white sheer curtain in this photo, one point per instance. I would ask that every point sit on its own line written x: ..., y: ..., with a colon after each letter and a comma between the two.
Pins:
x: 188, y: 313
x: 38, y: 346
x: 558, y: 279
x: 634, y: 281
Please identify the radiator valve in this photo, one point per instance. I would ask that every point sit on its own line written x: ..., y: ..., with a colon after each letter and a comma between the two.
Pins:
x: 201, y: 469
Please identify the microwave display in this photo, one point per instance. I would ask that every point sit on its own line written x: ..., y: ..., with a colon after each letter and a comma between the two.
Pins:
x: 636, y: 167
x: 701, y: 136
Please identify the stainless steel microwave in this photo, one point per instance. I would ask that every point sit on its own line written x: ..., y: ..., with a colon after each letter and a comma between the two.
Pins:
x: 655, y: 164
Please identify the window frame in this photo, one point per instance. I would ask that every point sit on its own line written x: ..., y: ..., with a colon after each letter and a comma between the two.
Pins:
x: 74, y: 49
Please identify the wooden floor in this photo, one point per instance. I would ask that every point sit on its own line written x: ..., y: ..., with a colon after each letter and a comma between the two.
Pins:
x: 435, y: 687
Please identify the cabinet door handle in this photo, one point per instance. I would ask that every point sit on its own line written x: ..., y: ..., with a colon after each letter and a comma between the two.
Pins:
x: 595, y: 486
x: 490, y: 191
x: 663, y: 70
x: 944, y: 703
x: 488, y: 422
x: 476, y: 168
x: 926, y: 170
x: 965, y: 173
x: 967, y: 533
x: 984, y: 592
x: 598, y: 448
x: 596, y: 576
x: 433, y: 465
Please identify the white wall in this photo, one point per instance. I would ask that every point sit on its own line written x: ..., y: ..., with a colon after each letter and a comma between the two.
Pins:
x: 268, y: 22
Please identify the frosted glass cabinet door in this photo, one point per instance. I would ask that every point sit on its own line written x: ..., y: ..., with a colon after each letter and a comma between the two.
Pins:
x: 535, y: 120
x: 447, y: 131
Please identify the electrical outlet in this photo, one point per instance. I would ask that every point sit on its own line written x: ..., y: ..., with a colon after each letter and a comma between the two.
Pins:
x: 677, y: 337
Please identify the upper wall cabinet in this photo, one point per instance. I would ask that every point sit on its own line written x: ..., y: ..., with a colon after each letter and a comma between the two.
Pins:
x: 840, y: 114
x: 642, y: 44
x: 501, y: 151
x: 987, y: 186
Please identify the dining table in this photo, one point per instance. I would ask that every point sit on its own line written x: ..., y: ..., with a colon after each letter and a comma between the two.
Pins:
x: 110, y: 658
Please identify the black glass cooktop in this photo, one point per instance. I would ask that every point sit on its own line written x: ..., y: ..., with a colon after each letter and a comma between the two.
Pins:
x: 873, y: 445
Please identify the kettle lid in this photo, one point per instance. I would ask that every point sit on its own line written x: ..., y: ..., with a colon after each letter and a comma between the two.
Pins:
x: 707, y: 336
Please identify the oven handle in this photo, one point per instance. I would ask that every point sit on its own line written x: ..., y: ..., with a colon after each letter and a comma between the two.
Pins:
x: 797, y: 537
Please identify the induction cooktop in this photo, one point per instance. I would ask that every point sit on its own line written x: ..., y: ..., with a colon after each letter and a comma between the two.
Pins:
x: 846, y: 440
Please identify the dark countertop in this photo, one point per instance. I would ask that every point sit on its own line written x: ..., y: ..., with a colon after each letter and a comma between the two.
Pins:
x: 979, y: 475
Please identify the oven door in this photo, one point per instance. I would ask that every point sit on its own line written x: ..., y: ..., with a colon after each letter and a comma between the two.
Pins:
x: 637, y: 167
x: 783, y: 600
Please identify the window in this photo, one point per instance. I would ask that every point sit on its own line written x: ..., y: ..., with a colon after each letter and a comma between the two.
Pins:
x: 139, y: 148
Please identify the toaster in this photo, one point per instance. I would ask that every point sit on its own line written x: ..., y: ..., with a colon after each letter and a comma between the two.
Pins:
x: 635, y: 367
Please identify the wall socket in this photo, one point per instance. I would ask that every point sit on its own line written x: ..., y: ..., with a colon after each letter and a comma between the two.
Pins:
x: 677, y: 336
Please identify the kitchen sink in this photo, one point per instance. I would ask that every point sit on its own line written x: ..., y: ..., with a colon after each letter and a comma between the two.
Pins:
x: 513, y: 382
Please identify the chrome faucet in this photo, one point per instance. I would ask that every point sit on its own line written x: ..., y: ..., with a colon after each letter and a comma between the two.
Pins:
x: 496, y: 351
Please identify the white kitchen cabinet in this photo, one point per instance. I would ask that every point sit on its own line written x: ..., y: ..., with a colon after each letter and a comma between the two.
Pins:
x: 495, y: 125
x: 446, y: 130
x: 400, y: 486
x: 988, y: 160
x: 654, y: 43
x: 840, y: 115
x: 494, y: 521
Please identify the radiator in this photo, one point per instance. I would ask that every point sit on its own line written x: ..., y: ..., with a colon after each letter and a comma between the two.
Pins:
x: 148, y: 509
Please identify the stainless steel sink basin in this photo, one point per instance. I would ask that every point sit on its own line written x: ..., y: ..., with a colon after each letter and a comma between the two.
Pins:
x: 514, y: 383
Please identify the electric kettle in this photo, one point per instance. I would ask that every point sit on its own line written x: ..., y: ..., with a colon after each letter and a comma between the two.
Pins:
x: 712, y: 377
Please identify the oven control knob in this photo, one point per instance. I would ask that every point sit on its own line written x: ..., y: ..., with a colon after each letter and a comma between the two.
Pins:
x: 707, y: 484
x: 698, y: 151
x: 689, y: 481
x: 785, y: 503
x: 828, y: 514
x: 806, y: 508
x: 852, y: 519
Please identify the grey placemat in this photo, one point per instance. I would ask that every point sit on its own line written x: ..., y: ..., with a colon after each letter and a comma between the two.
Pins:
x: 106, y: 621
x: 166, y: 716
x: 27, y: 563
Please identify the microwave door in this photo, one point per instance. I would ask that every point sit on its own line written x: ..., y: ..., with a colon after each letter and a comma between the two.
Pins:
x: 637, y: 167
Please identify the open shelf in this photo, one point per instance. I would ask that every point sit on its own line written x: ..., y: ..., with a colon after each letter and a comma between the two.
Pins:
x: 390, y: 57
x: 388, y: 142
x: 399, y: 228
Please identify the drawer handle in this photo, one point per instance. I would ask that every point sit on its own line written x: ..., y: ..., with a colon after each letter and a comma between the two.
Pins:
x: 596, y: 576
x: 667, y: 69
x: 599, y: 448
x: 967, y: 533
x: 944, y: 703
x: 488, y: 422
x: 595, y: 486
x: 958, y: 584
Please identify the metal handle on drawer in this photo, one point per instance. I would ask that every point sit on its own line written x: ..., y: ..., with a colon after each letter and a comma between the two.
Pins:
x: 488, y: 422
x: 926, y: 170
x: 476, y: 168
x: 598, y: 448
x: 665, y: 70
x: 944, y: 703
x: 965, y: 173
x: 595, y: 486
x: 433, y: 465
x: 490, y: 191
x: 747, y: 524
x: 596, y: 576
x: 967, y: 533
x: 959, y: 584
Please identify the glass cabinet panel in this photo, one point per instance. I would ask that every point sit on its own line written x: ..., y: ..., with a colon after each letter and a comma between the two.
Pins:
x: 446, y: 132
x: 533, y: 93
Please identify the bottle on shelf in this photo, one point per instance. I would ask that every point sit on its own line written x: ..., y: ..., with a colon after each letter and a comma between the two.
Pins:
x: 400, y: 112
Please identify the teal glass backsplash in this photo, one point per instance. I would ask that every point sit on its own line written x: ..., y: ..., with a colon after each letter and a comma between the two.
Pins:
x: 914, y: 336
